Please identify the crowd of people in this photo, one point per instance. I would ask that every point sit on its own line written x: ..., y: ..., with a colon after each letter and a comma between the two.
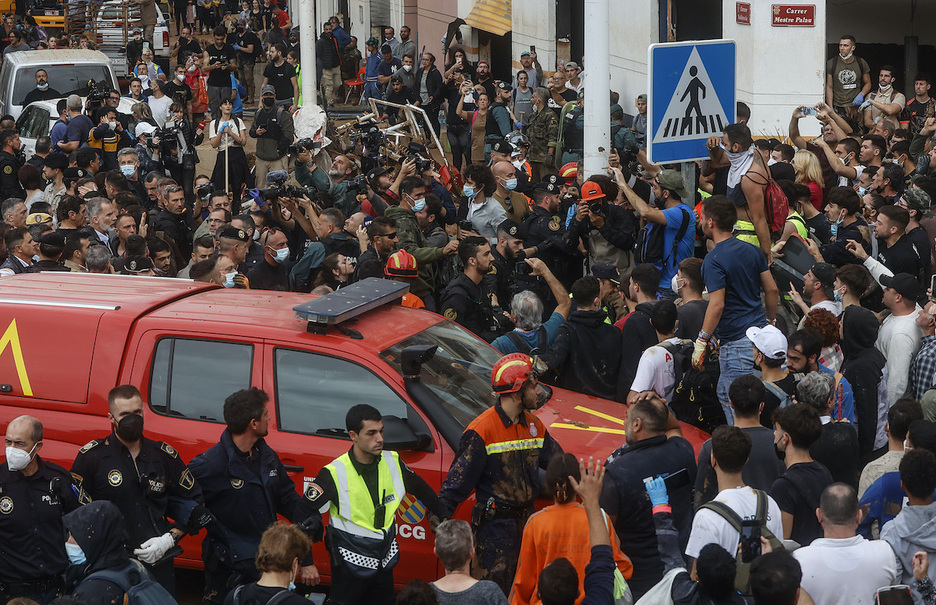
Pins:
x: 781, y: 300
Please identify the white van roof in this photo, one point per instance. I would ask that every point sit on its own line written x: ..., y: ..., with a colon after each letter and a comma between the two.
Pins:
x: 51, y: 57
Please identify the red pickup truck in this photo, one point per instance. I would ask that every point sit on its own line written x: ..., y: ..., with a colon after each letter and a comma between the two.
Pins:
x: 67, y: 339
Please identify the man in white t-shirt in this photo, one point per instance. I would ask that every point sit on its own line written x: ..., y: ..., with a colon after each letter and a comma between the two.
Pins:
x: 731, y: 448
x: 655, y: 370
x: 843, y: 568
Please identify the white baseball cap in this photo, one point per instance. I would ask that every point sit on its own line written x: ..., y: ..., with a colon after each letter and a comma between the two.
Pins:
x: 145, y: 128
x: 769, y: 340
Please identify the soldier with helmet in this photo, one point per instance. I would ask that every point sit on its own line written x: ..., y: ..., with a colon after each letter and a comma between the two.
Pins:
x: 499, y: 458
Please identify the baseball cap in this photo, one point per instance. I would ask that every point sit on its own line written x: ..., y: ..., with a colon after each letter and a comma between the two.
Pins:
x: 57, y: 160
x: 769, y: 340
x: 396, y: 78
x: 616, y: 108
x: 501, y: 85
x: 642, y: 98
x: 591, y: 191
x: 672, y: 180
x: 825, y: 273
x: 903, y: 283
x: 385, y: 49
x: 145, y: 128
x: 74, y: 173
x: 232, y: 232
x: 376, y: 172
x: 502, y: 147
x: 525, y: 53
x: 52, y: 238
x: 38, y: 218
x: 606, y: 271
x: 918, y: 200
x: 267, y: 88
x: 572, y: 64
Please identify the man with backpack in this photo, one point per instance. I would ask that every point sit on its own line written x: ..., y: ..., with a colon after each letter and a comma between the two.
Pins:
x: 273, y: 128
x: 867, y: 564
x: 532, y: 336
x: 770, y: 354
x: 720, y: 520
x: 656, y: 370
x: 637, y: 332
x: 668, y: 233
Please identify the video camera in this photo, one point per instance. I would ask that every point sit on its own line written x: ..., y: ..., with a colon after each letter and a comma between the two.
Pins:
x: 98, y: 93
x: 205, y: 191
x: 358, y: 184
x: 277, y: 179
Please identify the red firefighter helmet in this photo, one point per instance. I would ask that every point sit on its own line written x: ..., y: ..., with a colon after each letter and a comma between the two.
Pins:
x: 401, y: 264
x: 510, y: 372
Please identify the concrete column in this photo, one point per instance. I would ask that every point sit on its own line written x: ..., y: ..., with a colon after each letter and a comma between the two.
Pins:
x: 779, y: 68
x: 597, y: 87
x: 307, y: 34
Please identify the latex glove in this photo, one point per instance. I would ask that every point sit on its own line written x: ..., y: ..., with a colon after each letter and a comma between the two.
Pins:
x: 153, y: 549
x: 698, y: 352
x: 858, y: 100
x: 865, y: 105
x: 656, y: 489
x: 236, y: 47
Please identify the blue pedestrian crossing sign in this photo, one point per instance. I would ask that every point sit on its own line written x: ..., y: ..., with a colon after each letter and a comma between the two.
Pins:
x: 692, y: 97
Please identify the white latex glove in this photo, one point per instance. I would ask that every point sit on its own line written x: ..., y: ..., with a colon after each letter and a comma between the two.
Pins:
x: 153, y: 549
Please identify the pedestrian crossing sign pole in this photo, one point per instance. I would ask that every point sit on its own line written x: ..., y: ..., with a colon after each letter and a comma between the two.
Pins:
x: 692, y: 97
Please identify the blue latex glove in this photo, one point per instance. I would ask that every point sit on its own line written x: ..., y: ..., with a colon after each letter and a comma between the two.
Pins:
x: 858, y: 100
x: 518, y: 124
x: 236, y: 47
x: 656, y: 489
x: 223, y: 126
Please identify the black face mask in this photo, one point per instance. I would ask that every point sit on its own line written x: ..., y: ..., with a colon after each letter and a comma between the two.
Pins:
x: 240, y: 30
x: 268, y: 101
x: 781, y: 455
x: 130, y: 428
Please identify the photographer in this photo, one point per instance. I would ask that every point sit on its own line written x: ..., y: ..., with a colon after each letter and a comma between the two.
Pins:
x: 107, y: 136
x: 147, y: 148
x: 337, y: 182
x: 608, y: 229
x: 178, y: 140
x: 273, y: 129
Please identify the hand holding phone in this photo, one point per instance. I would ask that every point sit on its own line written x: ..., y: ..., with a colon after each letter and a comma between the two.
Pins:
x: 809, y: 111
x: 750, y: 540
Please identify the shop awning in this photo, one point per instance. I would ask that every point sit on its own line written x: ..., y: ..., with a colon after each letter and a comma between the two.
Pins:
x: 492, y: 16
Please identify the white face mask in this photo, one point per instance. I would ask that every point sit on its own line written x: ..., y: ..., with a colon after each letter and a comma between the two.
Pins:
x: 280, y: 255
x: 674, y: 286
x: 229, y: 279
x: 848, y: 56
x: 407, y: 68
x: 18, y: 459
x: 884, y: 88
x: 256, y: 234
x: 181, y: 77
x: 517, y: 164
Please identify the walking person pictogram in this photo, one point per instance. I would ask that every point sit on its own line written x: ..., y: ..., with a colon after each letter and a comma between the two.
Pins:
x: 693, y: 89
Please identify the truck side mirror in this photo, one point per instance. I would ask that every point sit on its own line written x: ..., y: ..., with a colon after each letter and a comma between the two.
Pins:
x: 399, y: 436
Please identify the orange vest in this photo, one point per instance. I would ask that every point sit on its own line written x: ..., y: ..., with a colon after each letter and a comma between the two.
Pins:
x: 560, y: 530
x: 412, y: 301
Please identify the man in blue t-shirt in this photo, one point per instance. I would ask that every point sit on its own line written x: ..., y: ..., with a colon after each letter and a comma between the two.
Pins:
x: 734, y: 272
x: 387, y: 67
x: 672, y: 215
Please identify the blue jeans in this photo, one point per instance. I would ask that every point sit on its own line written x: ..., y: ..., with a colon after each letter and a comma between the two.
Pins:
x: 735, y: 358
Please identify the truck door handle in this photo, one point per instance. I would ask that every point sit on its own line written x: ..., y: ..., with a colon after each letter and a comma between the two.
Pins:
x: 294, y: 468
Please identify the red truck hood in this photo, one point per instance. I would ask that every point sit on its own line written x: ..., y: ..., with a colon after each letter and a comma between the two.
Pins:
x: 586, y: 425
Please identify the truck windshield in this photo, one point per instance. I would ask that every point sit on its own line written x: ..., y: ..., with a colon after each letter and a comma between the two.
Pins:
x: 65, y: 79
x: 459, y: 373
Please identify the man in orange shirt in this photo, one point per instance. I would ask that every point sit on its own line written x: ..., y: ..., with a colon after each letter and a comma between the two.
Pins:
x: 560, y: 530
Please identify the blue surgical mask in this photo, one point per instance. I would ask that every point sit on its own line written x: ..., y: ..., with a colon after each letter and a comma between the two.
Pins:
x: 229, y: 279
x: 43, y: 86
x: 862, y: 191
x: 469, y: 192
x: 127, y: 170
x: 280, y: 255
x: 833, y: 229
x: 510, y: 184
x: 838, y: 296
x: 76, y: 556
x: 419, y: 205
x: 292, y: 586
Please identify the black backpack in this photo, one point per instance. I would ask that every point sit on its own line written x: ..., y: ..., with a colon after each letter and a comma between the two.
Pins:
x: 650, y: 243
x: 523, y: 347
x: 743, y: 570
x: 279, y: 597
x: 695, y: 394
x: 139, y: 587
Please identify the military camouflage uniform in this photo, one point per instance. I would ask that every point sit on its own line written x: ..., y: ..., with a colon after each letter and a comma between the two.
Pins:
x: 543, y: 132
x: 412, y: 240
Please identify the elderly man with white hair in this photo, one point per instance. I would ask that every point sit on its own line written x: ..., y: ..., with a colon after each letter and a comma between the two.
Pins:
x: 531, y: 335
x: 837, y: 448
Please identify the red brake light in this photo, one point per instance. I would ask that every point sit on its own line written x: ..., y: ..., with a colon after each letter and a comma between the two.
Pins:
x: 165, y: 39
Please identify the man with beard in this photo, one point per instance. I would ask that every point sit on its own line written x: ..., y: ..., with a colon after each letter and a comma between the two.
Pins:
x: 468, y: 300
x: 147, y: 480
x: 42, y: 91
x: 499, y: 457
x: 335, y: 183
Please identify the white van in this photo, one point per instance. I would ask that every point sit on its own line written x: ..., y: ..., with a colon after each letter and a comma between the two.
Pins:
x: 70, y: 72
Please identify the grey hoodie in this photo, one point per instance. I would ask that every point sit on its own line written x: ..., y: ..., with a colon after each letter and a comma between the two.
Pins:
x: 912, y: 530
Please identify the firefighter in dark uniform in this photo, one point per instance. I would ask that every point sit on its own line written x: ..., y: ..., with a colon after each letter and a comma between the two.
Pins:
x: 363, y: 489
x: 546, y: 229
x: 10, y: 163
x: 147, y: 480
x: 499, y: 457
x: 468, y: 300
x: 245, y: 486
x: 34, y: 495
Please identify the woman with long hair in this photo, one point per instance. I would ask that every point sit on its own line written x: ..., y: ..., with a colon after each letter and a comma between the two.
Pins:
x: 809, y: 173
x: 478, y: 120
x: 228, y: 135
x: 335, y: 272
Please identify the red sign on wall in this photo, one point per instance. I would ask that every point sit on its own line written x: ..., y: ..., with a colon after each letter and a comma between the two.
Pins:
x: 793, y: 15
x: 743, y: 13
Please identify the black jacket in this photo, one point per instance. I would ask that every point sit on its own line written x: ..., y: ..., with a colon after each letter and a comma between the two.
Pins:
x: 638, y: 336
x: 863, y: 368
x: 433, y: 86
x: 98, y: 529
x: 586, y: 354
x: 469, y: 304
x: 326, y: 52
x: 181, y: 228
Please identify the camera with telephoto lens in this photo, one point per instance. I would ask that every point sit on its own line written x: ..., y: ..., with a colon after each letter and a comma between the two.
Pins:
x: 168, y: 137
x: 466, y: 225
x: 205, y: 191
x: 596, y: 207
x: 272, y: 193
x: 417, y: 153
x: 358, y: 184
x: 301, y: 145
x: 98, y: 93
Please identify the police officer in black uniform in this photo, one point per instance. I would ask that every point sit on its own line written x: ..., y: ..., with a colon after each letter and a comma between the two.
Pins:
x: 245, y: 486
x: 507, y: 253
x: 147, y: 480
x: 468, y: 300
x: 34, y: 495
x: 11, y: 161
x: 546, y: 230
